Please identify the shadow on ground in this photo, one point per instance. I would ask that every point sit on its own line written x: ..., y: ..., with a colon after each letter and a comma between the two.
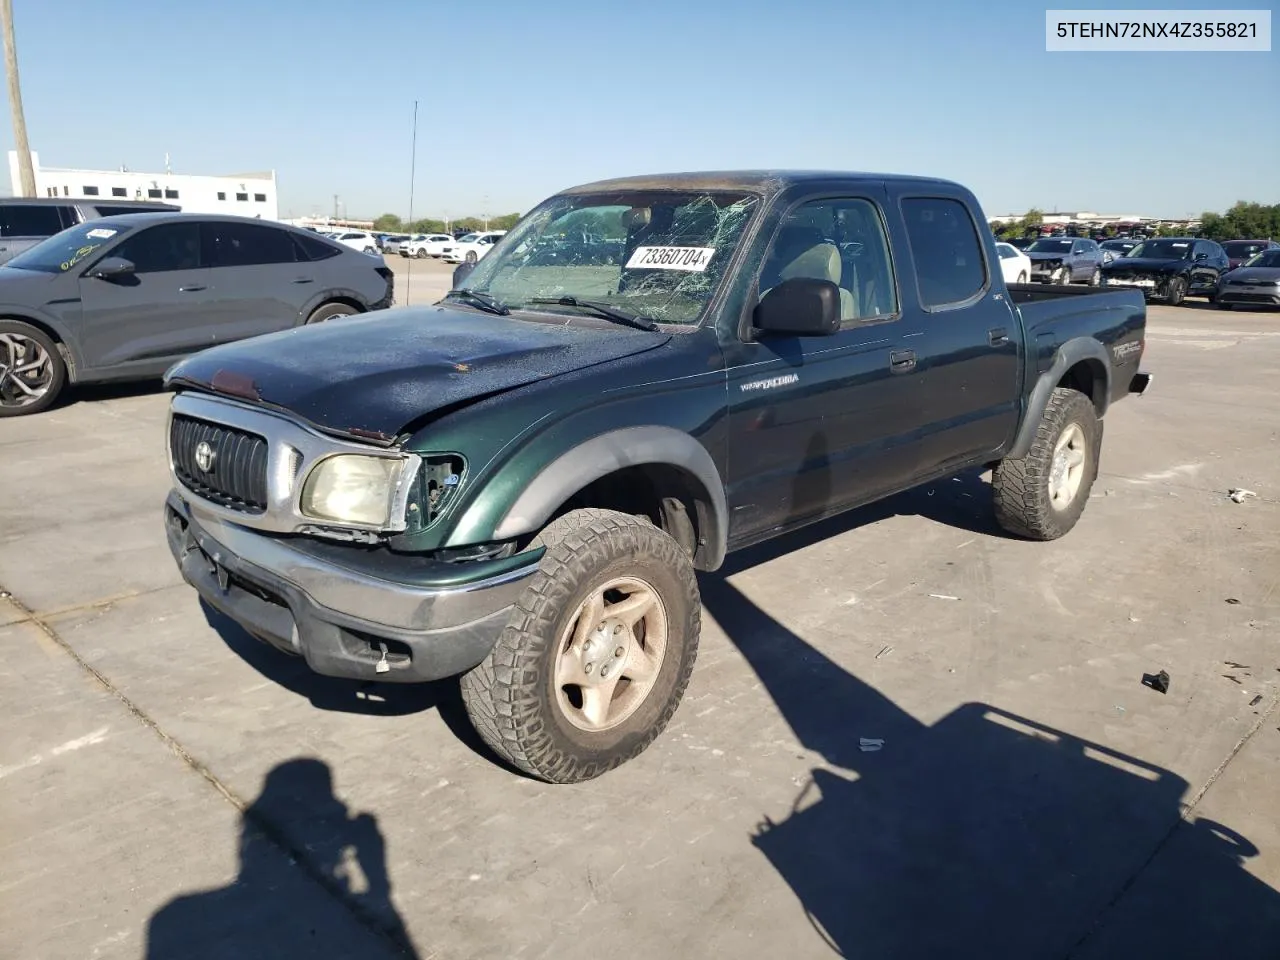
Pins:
x: 97, y: 392
x: 349, y: 696
x: 269, y: 910
x: 986, y: 834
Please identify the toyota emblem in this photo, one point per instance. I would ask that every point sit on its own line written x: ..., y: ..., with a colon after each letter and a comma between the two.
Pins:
x: 204, y: 456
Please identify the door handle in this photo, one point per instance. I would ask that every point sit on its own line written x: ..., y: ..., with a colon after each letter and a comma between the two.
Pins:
x: 192, y: 288
x: 902, y: 361
x: 998, y: 336
x: 304, y: 280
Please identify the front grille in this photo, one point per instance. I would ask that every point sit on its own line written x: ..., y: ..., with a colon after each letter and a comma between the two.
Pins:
x: 1253, y: 298
x: 236, y: 477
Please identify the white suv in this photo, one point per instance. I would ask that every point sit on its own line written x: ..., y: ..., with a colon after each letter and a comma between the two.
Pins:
x: 432, y: 245
x: 472, y: 247
x: 357, y: 240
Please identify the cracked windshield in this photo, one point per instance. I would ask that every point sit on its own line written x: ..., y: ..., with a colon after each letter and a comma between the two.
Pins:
x: 657, y: 255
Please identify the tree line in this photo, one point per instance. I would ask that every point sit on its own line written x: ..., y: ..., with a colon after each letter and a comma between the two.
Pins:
x: 390, y: 223
x: 1244, y: 221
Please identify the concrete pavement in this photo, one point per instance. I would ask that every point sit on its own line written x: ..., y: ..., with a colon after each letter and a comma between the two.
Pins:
x: 1032, y: 798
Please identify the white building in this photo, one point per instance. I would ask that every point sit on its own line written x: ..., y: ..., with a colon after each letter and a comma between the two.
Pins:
x: 244, y: 194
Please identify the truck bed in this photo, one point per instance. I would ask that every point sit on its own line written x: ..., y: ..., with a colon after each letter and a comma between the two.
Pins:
x: 1097, y: 309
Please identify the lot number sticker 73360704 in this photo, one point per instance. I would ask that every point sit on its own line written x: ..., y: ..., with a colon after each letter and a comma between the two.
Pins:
x: 693, y: 259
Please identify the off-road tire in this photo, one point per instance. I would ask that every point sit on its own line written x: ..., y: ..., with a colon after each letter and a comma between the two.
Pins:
x: 1021, y: 485
x: 1176, y: 290
x: 328, y: 311
x: 58, y: 368
x: 510, y: 697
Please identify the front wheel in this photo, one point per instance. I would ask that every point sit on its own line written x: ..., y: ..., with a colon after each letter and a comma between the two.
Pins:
x: 1041, y: 496
x: 1022, y: 277
x: 598, y: 651
x: 32, y: 373
x: 1065, y: 280
x: 1095, y: 278
x: 1176, y: 290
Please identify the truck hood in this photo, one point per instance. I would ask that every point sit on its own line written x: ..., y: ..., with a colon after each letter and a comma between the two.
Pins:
x: 372, y: 375
x: 1146, y: 265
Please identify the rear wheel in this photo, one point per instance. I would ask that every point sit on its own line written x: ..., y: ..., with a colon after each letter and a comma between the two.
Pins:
x: 32, y: 373
x: 330, y: 311
x: 1176, y: 290
x: 597, y: 653
x: 1041, y: 496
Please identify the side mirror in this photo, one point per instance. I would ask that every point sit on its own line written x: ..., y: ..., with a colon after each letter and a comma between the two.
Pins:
x: 1201, y: 256
x: 112, y: 268
x: 800, y: 307
x: 460, y: 273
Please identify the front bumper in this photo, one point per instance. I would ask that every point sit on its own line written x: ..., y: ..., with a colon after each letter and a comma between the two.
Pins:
x: 347, y: 615
x: 1256, y: 295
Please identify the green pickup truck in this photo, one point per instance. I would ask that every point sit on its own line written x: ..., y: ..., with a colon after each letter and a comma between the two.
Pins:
x: 517, y: 484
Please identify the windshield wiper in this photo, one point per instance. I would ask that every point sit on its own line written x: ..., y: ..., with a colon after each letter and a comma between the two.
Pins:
x: 482, y: 300
x: 603, y: 310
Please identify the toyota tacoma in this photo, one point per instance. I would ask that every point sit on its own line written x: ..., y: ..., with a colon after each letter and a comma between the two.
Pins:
x: 517, y: 484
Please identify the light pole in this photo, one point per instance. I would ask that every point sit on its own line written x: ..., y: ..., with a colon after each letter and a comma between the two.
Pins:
x: 26, y: 172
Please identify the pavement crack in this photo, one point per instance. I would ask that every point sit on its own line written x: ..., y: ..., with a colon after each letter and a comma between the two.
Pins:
x: 1187, y: 808
x: 295, y: 854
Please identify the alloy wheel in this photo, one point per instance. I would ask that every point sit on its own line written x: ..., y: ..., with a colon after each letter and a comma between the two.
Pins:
x: 26, y: 370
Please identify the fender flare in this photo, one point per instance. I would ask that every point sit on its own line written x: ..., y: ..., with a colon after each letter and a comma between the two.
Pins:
x: 61, y: 333
x: 616, y: 450
x: 1068, y: 355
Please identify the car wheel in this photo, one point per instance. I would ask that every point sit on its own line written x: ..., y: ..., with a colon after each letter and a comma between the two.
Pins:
x: 598, y: 651
x: 1041, y: 496
x: 471, y: 256
x: 32, y: 373
x: 421, y: 254
x: 331, y: 311
x: 1175, y: 291
x: 1095, y: 278
x: 1022, y: 277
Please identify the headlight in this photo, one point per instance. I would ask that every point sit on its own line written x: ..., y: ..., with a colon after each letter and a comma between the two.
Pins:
x: 351, y: 488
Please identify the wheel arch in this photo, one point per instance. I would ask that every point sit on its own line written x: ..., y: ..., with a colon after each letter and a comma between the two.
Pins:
x: 1080, y: 364
x: 65, y: 344
x: 657, y: 470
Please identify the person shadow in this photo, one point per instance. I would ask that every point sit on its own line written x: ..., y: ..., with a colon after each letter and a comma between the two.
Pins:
x: 984, y: 833
x: 312, y: 882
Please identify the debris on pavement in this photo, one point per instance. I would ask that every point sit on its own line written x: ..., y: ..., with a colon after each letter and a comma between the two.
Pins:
x: 884, y: 651
x: 1239, y: 494
x: 870, y: 744
x: 1159, y: 682
x: 1234, y: 679
x: 1232, y: 600
x: 5, y: 594
x: 1256, y: 700
x: 1235, y: 666
x: 943, y: 596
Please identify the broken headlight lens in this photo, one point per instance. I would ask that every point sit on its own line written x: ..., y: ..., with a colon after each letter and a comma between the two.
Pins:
x: 350, y: 488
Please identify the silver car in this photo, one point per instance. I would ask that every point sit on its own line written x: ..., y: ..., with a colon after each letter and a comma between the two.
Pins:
x: 1256, y: 284
x: 123, y: 298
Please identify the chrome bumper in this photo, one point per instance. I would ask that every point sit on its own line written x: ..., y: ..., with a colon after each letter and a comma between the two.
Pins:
x: 406, y: 620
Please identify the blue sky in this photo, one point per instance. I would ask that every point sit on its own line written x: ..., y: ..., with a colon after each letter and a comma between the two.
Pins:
x: 519, y: 99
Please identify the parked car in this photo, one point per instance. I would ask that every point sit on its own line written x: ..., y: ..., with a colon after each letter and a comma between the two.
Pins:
x: 1170, y: 268
x: 125, y: 297
x: 1065, y: 260
x: 1014, y: 264
x: 1112, y: 249
x: 357, y: 240
x: 471, y: 247
x: 1238, y: 251
x: 1256, y: 283
x: 395, y: 242
x: 25, y: 221
x: 1020, y: 242
x: 429, y: 245
x: 522, y: 496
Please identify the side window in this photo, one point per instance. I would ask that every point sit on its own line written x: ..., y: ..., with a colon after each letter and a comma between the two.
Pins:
x: 29, y: 220
x: 945, y: 247
x: 842, y: 241
x: 313, y: 248
x: 249, y: 244
x: 169, y: 246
